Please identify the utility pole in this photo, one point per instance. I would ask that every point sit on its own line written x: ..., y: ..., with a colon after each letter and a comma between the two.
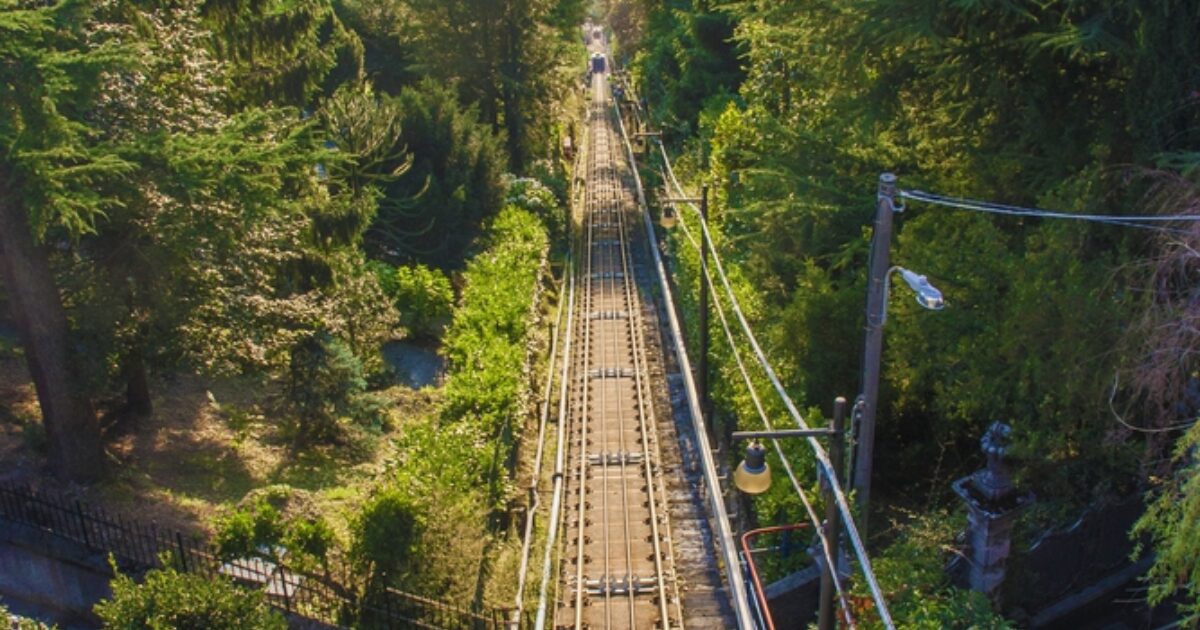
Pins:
x: 885, y: 207
x: 702, y: 376
x: 833, y: 525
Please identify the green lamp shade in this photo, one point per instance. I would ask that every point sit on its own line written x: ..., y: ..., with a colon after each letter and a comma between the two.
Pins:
x: 753, y: 475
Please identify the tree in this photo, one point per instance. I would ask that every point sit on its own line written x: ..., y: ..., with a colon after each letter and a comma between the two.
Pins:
x: 51, y: 171
x: 509, y: 58
x: 281, y: 52
x: 435, y: 209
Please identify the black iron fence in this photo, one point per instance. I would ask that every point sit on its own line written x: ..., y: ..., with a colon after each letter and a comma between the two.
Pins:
x: 330, y: 595
x: 1063, y: 561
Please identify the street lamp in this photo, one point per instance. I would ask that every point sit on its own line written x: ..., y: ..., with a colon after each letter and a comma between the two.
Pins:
x: 753, y: 476
x: 928, y: 296
x: 877, y: 293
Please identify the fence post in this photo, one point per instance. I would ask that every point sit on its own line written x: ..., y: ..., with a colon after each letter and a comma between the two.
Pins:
x: 387, y: 600
x: 83, y: 524
x: 183, y: 563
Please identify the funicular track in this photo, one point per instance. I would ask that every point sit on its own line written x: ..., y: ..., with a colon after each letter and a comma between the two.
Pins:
x: 618, y: 566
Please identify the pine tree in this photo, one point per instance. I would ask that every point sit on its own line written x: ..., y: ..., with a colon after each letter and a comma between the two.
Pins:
x: 52, y: 171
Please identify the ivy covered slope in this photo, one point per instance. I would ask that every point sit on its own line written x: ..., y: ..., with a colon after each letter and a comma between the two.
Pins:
x: 1079, y: 335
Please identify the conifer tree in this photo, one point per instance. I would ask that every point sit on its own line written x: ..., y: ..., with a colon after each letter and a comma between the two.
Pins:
x: 51, y: 170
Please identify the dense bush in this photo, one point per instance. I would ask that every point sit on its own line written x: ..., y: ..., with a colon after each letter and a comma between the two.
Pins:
x: 183, y: 601
x: 533, y: 195
x: 261, y: 530
x: 912, y: 574
x: 421, y: 294
x: 485, y: 345
x: 1172, y: 525
x: 387, y: 531
x: 21, y: 623
x: 253, y: 531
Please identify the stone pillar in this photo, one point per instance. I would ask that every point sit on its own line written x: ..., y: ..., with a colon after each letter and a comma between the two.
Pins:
x: 992, y: 507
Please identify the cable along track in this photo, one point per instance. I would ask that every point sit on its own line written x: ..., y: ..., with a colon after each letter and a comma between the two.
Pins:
x: 618, y: 567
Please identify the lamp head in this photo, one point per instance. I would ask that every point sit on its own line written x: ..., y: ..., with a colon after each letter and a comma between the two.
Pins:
x: 668, y: 217
x: 928, y: 295
x: 753, y: 475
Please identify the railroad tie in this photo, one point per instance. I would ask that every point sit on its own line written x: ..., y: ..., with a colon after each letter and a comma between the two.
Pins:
x: 615, y: 459
x: 621, y: 586
x: 608, y: 315
x: 610, y: 372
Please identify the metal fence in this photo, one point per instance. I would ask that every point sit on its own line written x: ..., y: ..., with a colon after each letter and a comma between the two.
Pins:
x: 330, y: 595
x: 1063, y: 561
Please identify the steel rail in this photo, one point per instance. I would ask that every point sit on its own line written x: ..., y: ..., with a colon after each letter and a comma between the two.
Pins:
x: 589, y: 198
x: 723, y: 528
x: 644, y: 413
x: 612, y: 362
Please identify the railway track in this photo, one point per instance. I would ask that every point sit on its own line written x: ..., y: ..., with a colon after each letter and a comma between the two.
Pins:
x: 618, y: 568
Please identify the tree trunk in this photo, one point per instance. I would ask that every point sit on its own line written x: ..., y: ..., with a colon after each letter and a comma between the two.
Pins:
x: 73, y: 433
x: 137, y: 383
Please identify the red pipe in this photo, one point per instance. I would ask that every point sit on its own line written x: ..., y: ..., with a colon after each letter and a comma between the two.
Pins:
x: 758, y: 588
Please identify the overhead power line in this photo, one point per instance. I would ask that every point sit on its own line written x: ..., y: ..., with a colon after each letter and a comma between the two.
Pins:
x: 826, y: 548
x: 1019, y: 211
x: 821, y: 455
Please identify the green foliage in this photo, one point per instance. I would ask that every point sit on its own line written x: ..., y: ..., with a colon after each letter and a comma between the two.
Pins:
x: 421, y: 294
x: 324, y: 381
x: 912, y: 573
x: 184, y: 601
x: 517, y: 66
x: 1033, y: 106
x: 54, y: 72
x: 261, y: 530
x: 533, y: 196
x: 452, y: 470
x: 257, y: 530
x: 310, y: 537
x: 485, y: 345
x: 689, y: 55
x: 1172, y: 525
x: 453, y: 184
x: 387, y: 532
x: 281, y: 51
x: 21, y: 623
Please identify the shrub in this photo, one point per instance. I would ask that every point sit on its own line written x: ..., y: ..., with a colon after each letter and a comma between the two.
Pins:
x: 324, y: 377
x: 248, y: 531
x: 423, y: 296
x: 21, y: 623
x: 534, y: 196
x: 309, y: 536
x: 181, y: 601
x: 386, y: 532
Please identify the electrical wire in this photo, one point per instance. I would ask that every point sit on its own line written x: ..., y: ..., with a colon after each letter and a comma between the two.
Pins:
x: 819, y: 451
x: 999, y: 208
x: 762, y: 414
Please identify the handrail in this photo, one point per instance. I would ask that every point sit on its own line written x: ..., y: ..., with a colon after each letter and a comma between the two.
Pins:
x: 758, y: 587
